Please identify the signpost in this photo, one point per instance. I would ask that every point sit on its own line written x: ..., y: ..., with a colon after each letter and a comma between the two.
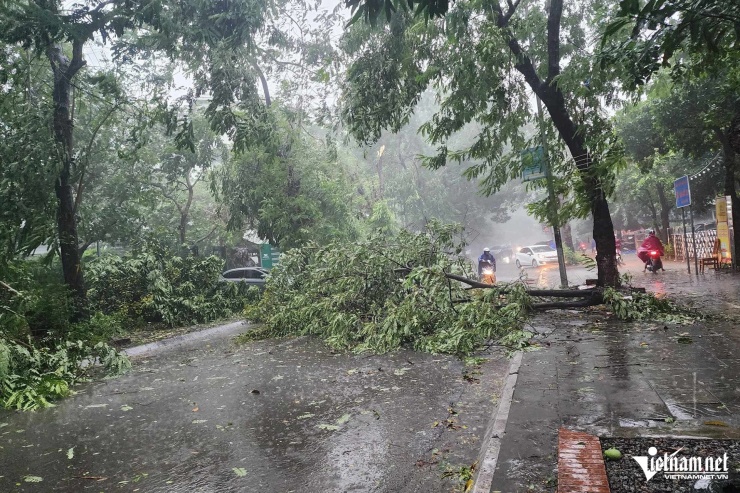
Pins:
x: 534, y: 164
x: 539, y: 156
x: 269, y: 256
x: 683, y: 192
x: 683, y: 199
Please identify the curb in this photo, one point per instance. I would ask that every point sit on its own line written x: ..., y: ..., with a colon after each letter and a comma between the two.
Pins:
x: 488, y: 456
x: 176, y: 341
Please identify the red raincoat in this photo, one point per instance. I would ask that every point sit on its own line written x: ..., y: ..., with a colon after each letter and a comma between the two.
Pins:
x: 651, y: 243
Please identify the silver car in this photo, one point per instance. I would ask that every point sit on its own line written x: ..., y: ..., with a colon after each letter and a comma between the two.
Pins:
x: 253, y: 276
x: 535, y: 256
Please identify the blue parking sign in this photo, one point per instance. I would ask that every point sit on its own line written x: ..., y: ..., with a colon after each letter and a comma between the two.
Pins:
x: 683, y: 192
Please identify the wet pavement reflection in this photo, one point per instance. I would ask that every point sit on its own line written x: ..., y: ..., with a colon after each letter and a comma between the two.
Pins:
x: 612, y: 378
x: 287, y: 415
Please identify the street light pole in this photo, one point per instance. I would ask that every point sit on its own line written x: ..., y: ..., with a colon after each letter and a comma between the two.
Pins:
x: 552, y: 198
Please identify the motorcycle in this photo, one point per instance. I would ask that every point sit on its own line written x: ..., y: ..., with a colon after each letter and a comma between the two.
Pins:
x: 620, y: 261
x: 488, y: 275
x: 654, y: 263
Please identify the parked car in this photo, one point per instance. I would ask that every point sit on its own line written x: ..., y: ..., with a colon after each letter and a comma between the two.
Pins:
x: 503, y: 253
x: 535, y: 256
x: 254, y: 276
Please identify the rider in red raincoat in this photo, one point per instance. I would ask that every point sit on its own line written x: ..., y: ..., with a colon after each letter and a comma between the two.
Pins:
x: 652, y: 242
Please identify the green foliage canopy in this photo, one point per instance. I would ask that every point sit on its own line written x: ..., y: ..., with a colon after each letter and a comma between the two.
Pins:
x: 290, y: 189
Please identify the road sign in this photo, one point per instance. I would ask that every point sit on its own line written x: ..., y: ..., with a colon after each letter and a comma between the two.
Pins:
x: 683, y: 192
x: 533, y: 163
x: 269, y: 256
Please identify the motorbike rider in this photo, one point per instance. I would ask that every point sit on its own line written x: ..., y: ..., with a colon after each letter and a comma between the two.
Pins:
x: 652, y: 242
x: 485, y: 260
x: 618, y: 245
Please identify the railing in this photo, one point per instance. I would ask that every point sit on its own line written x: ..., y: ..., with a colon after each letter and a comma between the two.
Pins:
x: 704, y: 244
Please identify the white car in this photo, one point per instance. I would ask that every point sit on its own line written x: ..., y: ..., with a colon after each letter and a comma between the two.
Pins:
x: 535, y: 256
x: 253, y: 276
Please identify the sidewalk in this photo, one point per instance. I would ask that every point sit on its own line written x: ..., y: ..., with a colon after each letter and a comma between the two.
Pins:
x: 606, y: 377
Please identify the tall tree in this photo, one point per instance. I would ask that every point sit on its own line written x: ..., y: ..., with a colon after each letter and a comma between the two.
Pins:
x: 175, y: 173
x: 211, y: 36
x: 290, y: 189
x: 482, y: 58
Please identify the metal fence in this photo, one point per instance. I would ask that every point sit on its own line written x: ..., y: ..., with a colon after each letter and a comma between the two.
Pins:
x: 704, y: 244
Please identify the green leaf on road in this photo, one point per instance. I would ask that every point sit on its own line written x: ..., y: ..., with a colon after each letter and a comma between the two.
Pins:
x: 327, y: 427
x: 33, y: 479
x: 344, y: 419
x: 71, y: 453
x: 240, y: 471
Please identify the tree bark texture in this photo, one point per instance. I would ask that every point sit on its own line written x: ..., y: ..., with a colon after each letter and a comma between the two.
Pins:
x: 567, y: 234
x: 734, y: 133
x: 64, y: 71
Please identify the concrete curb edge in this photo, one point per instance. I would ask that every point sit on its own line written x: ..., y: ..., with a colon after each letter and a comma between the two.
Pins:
x: 172, y: 342
x: 492, y: 441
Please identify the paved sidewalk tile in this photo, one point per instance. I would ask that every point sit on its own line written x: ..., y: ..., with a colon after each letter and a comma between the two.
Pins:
x: 600, y: 376
x: 578, y: 470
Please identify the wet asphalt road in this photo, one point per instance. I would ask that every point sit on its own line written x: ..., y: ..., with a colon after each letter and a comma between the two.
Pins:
x: 187, y: 420
x: 277, y: 416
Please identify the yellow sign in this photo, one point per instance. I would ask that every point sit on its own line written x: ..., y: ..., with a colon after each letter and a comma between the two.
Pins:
x: 723, y: 228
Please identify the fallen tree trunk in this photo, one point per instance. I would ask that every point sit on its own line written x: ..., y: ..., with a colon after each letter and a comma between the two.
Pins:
x: 594, y: 300
x: 555, y: 293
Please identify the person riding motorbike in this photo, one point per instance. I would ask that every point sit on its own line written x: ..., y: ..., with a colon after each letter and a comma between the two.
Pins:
x: 618, y: 245
x: 487, y: 267
x: 651, y: 244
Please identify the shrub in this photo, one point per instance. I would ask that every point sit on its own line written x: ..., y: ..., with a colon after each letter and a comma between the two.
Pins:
x: 157, y: 286
x: 98, y: 328
x: 34, y: 300
x: 385, y: 293
x: 35, y: 371
x: 31, y: 377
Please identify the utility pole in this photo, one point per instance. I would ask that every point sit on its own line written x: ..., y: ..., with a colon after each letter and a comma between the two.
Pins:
x: 553, y: 201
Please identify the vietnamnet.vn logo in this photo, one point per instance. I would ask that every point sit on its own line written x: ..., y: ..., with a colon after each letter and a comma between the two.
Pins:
x: 683, y: 467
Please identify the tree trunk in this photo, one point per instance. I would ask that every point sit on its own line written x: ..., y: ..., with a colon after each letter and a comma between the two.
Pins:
x: 734, y: 133
x: 567, y: 234
x: 552, y: 97
x: 185, y: 210
x: 64, y: 71
x: 665, y: 211
x: 603, y: 233
x: 653, y: 212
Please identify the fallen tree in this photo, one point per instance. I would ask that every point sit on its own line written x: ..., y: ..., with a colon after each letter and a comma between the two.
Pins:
x: 412, y: 290
x: 387, y: 292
